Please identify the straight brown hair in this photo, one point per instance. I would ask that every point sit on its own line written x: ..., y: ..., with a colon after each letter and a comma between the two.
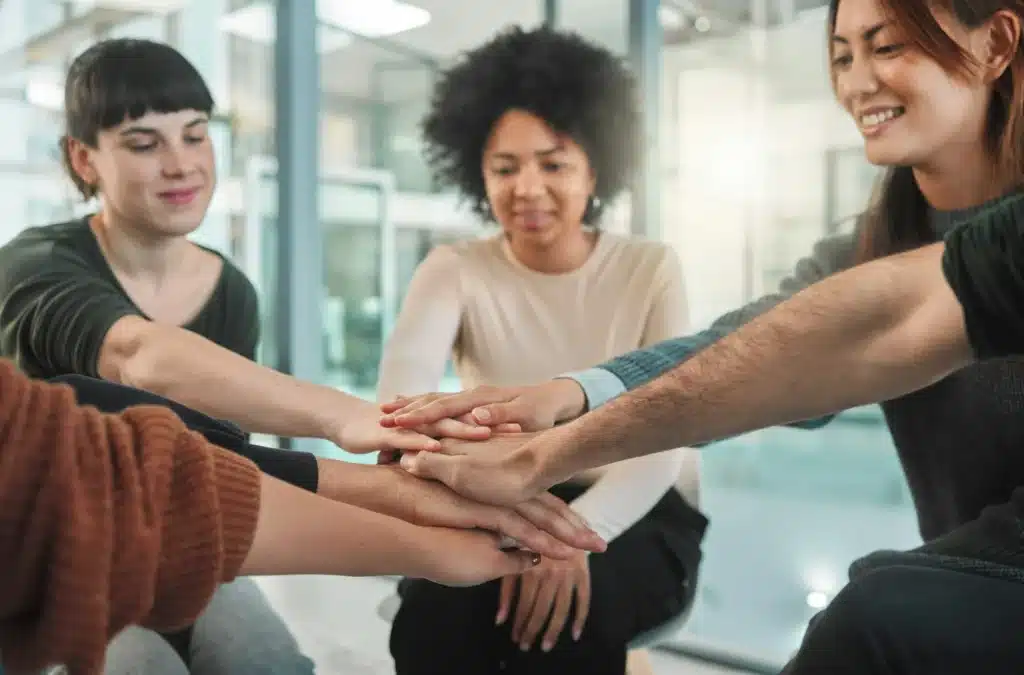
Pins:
x: 897, y: 218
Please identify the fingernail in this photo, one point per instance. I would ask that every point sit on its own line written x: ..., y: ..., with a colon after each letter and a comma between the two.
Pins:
x: 524, y: 647
x: 547, y: 646
x: 498, y: 620
x: 482, y: 414
x: 576, y: 633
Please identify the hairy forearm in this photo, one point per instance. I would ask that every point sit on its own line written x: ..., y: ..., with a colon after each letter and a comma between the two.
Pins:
x: 872, y: 333
x: 191, y: 370
x: 302, y: 533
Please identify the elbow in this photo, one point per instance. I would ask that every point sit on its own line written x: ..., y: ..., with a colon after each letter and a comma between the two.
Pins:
x: 140, y: 362
x: 923, y: 348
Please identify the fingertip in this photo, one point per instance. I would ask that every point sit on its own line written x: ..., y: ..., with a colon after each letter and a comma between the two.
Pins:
x: 406, y: 421
x: 408, y: 462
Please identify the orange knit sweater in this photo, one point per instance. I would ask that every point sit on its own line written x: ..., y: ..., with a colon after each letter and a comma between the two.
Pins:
x: 108, y: 521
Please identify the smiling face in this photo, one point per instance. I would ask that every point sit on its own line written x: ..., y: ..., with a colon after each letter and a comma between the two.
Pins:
x: 908, y: 108
x: 156, y: 172
x: 538, y: 182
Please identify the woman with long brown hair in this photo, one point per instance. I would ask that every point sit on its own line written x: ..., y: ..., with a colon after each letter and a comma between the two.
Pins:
x: 936, y: 91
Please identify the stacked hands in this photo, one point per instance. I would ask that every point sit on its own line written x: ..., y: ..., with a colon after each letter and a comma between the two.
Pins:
x: 467, y: 445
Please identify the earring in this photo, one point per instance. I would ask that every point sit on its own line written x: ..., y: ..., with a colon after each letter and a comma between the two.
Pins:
x: 595, y: 202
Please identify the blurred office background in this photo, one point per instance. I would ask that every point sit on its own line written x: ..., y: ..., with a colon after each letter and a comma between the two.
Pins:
x: 325, y: 201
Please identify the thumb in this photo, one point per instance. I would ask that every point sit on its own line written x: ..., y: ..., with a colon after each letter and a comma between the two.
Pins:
x: 430, y: 465
x: 493, y: 414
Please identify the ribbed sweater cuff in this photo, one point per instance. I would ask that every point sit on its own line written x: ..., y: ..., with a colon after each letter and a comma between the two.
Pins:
x: 238, y: 481
x: 209, y: 526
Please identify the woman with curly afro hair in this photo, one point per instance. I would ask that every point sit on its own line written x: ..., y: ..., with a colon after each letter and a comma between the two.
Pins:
x: 538, y: 130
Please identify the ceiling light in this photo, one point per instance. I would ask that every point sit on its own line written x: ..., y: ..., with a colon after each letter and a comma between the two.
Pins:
x: 46, y: 95
x: 151, y: 6
x: 670, y: 18
x: 702, y: 24
x: 817, y: 600
x: 380, y: 18
x: 44, y: 88
x: 258, y: 22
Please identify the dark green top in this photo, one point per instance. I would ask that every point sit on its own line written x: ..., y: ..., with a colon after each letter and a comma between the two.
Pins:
x: 59, y: 298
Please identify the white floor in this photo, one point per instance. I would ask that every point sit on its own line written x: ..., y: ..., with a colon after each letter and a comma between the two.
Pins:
x: 336, y: 623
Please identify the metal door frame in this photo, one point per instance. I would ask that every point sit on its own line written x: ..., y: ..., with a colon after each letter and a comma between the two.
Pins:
x: 261, y: 167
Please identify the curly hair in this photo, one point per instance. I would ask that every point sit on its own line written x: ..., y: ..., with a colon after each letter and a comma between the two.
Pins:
x: 579, y: 89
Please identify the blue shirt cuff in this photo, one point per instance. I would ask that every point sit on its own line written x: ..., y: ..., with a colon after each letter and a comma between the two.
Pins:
x: 598, y: 384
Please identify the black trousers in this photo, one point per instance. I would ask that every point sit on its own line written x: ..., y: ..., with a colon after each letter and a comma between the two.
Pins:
x: 909, y: 620
x: 647, y: 576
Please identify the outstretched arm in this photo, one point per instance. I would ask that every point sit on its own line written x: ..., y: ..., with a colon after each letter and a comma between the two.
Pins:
x: 872, y: 333
x: 110, y: 520
x: 869, y: 334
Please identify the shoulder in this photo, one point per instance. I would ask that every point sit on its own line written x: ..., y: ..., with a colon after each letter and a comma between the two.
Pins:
x: 57, y: 248
x: 467, y: 251
x: 58, y: 237
x: 451, y: 261
x: 638, y: 255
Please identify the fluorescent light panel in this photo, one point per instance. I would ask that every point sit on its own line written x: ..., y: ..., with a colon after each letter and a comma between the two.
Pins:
x: 376, y: 18
x: 154, y: 6
x: 380, y: 18
x: 258, y: 22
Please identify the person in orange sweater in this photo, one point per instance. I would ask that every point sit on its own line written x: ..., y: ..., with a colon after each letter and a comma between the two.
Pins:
x: 112, y: 520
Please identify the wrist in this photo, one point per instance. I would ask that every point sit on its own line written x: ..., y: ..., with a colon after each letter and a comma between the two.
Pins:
x: 335, y: 412
x: 349, y: 483
x: 557, y: 459
x: 542, y: 462
x: 570, y: 401
x: 424, y: 546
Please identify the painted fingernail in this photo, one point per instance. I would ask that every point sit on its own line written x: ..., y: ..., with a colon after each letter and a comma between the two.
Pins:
x: 524, y: 647
x: 576, y: 633
x: 547, y: 645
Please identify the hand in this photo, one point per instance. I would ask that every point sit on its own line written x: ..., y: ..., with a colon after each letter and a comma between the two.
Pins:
x: 533, y: 408
x: 363, y: 434
x: 544, y: 524
x: 470, y: 558
x: 546, y: 591
x: 502, y: 471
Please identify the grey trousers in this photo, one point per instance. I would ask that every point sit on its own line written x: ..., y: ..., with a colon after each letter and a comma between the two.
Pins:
x: 239, y: 632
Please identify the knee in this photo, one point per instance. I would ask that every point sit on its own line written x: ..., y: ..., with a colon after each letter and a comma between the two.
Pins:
x: 875, y: 600
x: 138, y: 651
x: 869, y: 618
x: 255, y: 649
x: 241, y: 632
x: 431, y: 614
